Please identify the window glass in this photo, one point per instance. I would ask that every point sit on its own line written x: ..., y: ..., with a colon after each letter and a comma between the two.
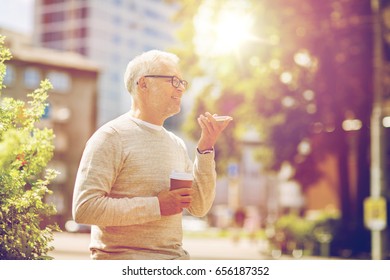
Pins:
x: 132, y: 6
x: 115, y: 77
x: 132, y: 44
x: 82, y: 50
x: 80, y: 32
x: 117, y: 2
x: 10, y: 75
x: 115, y: 58
x: 53, y: 17
x: 81, y: 12
x: 116, y: 39
x: 49, y: 2
x: 117, y: 20
x: 52, y: 36
x: 153, y: 14
x: 60, y: 80
x: 32, y: 77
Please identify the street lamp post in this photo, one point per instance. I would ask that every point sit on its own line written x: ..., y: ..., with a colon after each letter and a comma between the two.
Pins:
x: 376, y: 184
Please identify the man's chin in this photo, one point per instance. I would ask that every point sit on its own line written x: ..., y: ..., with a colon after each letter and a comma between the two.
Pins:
x: 177, y: 109
x: 174, y: 112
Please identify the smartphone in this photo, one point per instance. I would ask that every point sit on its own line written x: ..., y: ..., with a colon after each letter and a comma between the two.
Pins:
x: 222, y: 118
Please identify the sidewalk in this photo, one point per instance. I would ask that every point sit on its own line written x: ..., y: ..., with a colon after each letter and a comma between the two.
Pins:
x: 74, y: 246
x: 70, y: 246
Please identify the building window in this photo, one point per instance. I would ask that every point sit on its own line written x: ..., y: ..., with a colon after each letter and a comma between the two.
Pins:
x: 132, y: 7
x: 132, y: 44
x: 53, y: 17
x: 152, y: 32
x: 81, y: 13
x: 148, y: 47
x: 117, y: 2
x: 10, y: 75
x: 61, y: 114
x: 82, y: 50
x: 116, y: 39
x: 32, y: 77
x: 153, y: 14
x: 60, y: 80
x: 80, y: 32
x: 115, y: 77
x: 49, y: 2
x: 117, y: 20
x: 115, y: 58
x: 52, y: 36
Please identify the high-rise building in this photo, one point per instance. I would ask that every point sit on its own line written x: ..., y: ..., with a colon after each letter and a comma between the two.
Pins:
x: 110, y: 32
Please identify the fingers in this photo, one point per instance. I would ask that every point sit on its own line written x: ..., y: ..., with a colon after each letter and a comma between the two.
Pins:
x: 211, y: 129
x: 184, y: 191
x: 185, y: 201
x: 173, y: 202
x: 211, y: 120
x: 206, y: 124
x: 184, y: 196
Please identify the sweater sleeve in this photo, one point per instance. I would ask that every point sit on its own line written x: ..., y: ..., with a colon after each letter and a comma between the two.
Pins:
x: 204, y: 184
x: 99, y: 166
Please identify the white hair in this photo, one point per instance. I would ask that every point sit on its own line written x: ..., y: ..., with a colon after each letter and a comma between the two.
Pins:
x: 149, y: 62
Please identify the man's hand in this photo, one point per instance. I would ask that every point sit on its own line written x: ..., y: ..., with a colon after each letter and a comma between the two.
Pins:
x: 173, y: 202
x: 211, y: 129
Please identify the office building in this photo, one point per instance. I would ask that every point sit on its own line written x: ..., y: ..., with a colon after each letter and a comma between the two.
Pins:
x: 110, y: 32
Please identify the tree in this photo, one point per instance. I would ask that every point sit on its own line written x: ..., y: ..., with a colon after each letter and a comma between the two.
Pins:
x: 25, y: 151
x: 301, y: 79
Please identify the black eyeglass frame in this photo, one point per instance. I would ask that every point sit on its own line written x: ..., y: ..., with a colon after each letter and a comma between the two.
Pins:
x: 173, y: 78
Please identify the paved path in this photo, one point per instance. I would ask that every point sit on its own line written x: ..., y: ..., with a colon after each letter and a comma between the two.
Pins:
x: 74, y: 246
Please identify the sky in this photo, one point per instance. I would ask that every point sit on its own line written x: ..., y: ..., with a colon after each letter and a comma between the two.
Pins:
x: 17, y: 15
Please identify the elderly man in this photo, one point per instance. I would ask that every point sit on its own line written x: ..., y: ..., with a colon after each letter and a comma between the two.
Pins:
x: 122, y: 187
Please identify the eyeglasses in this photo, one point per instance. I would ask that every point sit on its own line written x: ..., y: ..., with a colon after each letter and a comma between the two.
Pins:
x: 175, y: 81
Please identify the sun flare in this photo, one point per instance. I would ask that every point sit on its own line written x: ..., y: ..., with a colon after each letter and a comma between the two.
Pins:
x: 222, y: 31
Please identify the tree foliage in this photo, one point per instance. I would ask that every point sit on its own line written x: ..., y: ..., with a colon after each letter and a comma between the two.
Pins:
x: 303, y: 73
x: 25, y: 151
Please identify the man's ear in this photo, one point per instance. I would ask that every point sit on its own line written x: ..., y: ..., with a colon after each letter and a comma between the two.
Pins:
x: 142, y: 84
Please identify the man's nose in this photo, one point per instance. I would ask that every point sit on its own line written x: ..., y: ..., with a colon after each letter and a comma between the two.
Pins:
x: 181, y: 88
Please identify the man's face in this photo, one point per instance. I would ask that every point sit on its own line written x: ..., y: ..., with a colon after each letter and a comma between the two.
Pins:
x: 163, y: 97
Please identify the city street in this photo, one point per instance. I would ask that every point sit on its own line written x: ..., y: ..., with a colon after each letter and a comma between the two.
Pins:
x: 74, y: 246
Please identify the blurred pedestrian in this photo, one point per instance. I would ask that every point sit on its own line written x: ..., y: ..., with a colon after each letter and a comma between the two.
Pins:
x: 122, y: 185
x: 239, y: 221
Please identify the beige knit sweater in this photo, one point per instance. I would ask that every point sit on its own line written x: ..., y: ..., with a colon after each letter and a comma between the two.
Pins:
x: 124, y: 166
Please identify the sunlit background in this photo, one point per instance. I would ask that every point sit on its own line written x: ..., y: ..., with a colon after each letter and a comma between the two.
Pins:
x: 303, y: 165
x: 222, y: 30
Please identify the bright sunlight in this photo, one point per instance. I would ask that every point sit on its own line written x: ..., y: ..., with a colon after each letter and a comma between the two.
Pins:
x: 224, y: 30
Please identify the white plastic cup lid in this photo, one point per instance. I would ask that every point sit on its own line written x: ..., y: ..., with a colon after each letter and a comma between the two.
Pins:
x: 181, y: 176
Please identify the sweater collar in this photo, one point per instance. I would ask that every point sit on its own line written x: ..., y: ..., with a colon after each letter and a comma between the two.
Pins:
x: 147, y: 124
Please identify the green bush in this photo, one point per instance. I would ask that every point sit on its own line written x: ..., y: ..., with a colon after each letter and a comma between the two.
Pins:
x: 25, y: 151
x: 293, y: 231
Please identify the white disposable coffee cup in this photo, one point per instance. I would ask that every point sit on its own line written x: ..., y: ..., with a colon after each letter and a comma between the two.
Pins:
x: 180, y: 180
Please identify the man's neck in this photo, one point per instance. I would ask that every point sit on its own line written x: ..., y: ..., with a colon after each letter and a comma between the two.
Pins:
x: 138, y: 114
